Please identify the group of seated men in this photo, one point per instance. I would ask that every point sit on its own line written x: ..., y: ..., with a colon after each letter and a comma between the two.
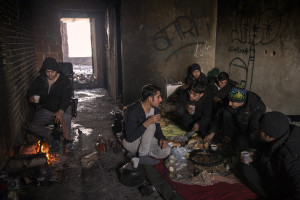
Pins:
x: 210, y: 108
x: 222, y: 107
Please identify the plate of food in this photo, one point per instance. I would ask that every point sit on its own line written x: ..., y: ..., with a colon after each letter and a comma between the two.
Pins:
x: 205, y: 158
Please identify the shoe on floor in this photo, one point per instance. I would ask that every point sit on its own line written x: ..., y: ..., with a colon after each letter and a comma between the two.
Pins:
x: 146, y: 160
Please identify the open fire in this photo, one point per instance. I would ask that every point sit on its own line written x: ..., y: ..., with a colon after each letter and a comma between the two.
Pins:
x: 37, y: 148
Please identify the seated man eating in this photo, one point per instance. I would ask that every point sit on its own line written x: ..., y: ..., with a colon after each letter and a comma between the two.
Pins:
x: 142, y: 133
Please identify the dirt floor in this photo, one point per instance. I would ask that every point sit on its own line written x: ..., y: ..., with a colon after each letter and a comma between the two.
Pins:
x: 68, y: 180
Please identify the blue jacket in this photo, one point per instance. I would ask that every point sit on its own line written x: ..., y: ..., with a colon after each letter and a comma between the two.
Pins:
x: 133, y: 127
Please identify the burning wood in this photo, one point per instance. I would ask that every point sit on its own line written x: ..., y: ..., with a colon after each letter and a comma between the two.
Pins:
x: 38, y: 148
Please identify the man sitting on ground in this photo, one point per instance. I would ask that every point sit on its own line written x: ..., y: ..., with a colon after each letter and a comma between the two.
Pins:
x: 221, y: 87
x: 240, y: 117
x: 55, y: 93
x: 198, y: 109
x: 274, y: 171
x: 142, y: 133
x: 219, y: 91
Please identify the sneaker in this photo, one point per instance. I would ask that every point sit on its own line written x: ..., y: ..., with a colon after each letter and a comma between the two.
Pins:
x: 68, y: 147
x: 146, y: 160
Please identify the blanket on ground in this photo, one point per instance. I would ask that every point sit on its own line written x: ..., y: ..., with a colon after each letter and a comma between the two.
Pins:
x: 218, y: 191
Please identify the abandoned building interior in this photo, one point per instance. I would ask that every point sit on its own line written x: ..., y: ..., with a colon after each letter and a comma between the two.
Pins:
x: 115, y: 48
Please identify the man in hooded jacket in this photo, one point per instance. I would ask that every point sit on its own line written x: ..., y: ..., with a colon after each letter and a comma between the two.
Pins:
x: 54, y: 90
x: 274, y: 171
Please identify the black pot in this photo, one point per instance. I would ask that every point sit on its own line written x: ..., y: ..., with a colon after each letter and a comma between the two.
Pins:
x: 132, y: 177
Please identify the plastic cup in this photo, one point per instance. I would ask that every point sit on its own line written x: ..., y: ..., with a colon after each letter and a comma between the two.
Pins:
x: 246, y: 156
x: 193, y: 107
x: 135, y: 162
x: 213, y: 147
x: 36, y: 98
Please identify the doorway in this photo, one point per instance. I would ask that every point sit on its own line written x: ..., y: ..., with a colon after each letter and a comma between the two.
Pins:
x: 77, y: 49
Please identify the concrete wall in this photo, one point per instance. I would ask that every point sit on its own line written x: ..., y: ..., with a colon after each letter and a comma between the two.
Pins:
x: 113, y: 51
x: 160, y: 39
x: 17, y: 70
x: 262, y: 37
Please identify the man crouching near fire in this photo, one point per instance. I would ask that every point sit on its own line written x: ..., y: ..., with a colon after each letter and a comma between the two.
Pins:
x: 142, y: 133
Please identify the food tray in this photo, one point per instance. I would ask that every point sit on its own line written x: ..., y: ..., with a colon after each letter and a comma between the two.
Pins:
x: 207, y: 159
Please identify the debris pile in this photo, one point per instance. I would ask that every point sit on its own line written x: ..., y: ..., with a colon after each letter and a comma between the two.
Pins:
x: 84, y: 77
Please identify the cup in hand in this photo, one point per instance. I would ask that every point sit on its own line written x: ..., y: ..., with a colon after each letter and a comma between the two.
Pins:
x: 135, y: 162
x: 36, y: 98
x: 193, y: 108
x: 246, y: 156
x: 213, y: 147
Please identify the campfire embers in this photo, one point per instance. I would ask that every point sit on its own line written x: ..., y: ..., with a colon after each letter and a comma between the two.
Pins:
x: 40, y: 147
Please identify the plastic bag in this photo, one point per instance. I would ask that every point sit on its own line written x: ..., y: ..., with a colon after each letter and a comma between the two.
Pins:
x: 177, y: 159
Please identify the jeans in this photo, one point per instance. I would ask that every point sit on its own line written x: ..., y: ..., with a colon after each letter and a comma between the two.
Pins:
x: 43, y: 116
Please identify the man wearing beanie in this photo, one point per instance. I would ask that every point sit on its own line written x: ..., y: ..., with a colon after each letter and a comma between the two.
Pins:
x: 274, y: 170
x: 54, y: 90
x: 240, y: 117
x: 195, y: 75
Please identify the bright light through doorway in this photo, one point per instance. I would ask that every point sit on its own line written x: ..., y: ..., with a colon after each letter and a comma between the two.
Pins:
x: 79, y: 38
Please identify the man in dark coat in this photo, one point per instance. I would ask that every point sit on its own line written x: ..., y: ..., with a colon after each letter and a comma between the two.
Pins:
x: 240, y: 117
x: 221, y: 87
x: 142, y: 133
x: 274, y: 170
x: 195, y: 75
x: 198, y: 103
x: 54, y: 90
x: 219, y: 91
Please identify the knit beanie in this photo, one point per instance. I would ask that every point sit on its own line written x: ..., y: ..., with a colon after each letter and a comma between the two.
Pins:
x: 274, y: 124
x: 194, y: 67
x: 237, y: 94
x: 213, y: 73
x: 51, y: 64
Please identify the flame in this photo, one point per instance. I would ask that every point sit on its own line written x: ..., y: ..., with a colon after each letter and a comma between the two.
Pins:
x: 38, y: 147
x: 44, y: 148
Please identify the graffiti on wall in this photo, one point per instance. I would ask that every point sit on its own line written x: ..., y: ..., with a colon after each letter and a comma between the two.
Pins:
x: 252, y: 29
x: 174, y: 38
